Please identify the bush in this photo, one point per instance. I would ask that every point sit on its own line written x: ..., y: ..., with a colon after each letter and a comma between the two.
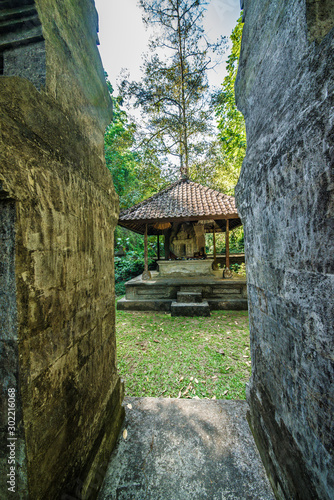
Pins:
x: 239, y: 269
x: 127, y: 268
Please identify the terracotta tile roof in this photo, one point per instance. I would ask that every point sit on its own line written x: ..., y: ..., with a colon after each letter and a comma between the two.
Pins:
x: 182, y: 199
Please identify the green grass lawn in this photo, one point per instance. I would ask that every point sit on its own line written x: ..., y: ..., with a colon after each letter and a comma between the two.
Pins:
x: 160, y: 355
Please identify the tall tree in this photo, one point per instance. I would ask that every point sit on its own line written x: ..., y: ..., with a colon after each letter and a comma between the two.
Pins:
x: 231, y: 124
x: 136, y: 175
x: 173, y: 93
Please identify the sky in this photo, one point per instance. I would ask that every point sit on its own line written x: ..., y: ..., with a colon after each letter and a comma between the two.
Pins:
x: 123, y: 37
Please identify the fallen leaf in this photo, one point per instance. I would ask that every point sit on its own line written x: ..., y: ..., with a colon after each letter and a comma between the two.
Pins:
x: 224, y: 393
x: 196, y: 381
x: 181, y: 378
x: 129, y: 406
x: 221, y: 351
x: 191, y: 378
x: 180, y: 394
x: 157, y: 341
x: 228, y: 337
x: 187, y: 389
x: 215, y: 376
x: 195, y: 397
x: 125, y: 434
x: 245, y: 356
x: 213, y: 397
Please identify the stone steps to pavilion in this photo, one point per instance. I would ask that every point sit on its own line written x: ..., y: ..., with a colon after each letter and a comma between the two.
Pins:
x: 190, y: 303
x: 190, y: 309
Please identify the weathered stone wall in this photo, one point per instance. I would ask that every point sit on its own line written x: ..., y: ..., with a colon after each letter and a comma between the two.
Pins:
x: 285, y: 89
x: 58, y: 212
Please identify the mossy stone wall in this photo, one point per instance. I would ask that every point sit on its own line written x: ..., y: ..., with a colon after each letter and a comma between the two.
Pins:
x: 64, y: 211
x: 285, y: 89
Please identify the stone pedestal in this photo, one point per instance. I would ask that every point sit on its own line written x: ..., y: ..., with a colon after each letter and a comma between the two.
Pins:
x: 188, y: 268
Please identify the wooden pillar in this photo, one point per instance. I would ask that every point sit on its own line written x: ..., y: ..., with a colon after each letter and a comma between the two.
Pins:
x: 158, y: 247
x: 227, y: 244
x: 214, y: 265
x: 146, y: 274
x: 167, y: 239
x: 227, y: 272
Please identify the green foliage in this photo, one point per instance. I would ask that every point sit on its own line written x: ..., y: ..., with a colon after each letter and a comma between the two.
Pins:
x: 236, y: 242
x: 239, y: 269
x: 136, y: 175
x: 132, y: 264
x: 231, y: 125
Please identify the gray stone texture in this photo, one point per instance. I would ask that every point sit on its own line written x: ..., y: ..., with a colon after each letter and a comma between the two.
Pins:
x: 285, y: 89
x: 178, y: 449
x: 58, y: 211
x: 22, y: 47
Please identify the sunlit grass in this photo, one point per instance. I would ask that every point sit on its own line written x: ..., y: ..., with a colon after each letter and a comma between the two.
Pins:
x: 160, y: 355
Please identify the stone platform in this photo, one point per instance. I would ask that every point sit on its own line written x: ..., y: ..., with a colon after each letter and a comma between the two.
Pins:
x: 178, y: 449
x: 158, y: 293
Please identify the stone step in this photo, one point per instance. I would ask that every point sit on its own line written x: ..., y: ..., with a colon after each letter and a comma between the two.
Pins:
x: 187, y: 297
x: 192, y: 289
x: 190, y: 309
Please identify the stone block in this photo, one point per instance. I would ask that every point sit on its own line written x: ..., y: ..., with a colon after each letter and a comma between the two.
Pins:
x: 188, y: 297
x: 190, y: 309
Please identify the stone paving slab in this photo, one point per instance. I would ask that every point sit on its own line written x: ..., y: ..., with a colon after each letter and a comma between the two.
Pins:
x: 179, y: 449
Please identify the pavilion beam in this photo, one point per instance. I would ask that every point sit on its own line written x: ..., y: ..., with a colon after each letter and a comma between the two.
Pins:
x: 146, y: 274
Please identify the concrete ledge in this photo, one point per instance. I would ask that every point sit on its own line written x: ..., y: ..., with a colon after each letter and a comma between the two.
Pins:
x: 179, y: 449
x: 228, y: 305
x: 144, y: 305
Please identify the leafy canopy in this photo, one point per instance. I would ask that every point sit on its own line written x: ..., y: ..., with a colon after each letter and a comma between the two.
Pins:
x: 231, y: 124
x: 136, y: 175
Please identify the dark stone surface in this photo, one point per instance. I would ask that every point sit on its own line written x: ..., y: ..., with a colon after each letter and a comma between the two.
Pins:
x: 189, y: 296
x: 22, y: 47
x: 190, y: 309
x: 285, y: 89
x: 179, y: 449
x: 9, y: 353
